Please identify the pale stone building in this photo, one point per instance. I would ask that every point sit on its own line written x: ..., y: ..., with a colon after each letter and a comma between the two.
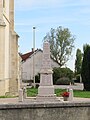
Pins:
x: 31, y: 64
x: 9, y: 65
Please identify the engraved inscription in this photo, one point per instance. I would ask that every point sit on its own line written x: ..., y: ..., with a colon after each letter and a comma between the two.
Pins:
x: 46, y: 61
x: 46, y: 79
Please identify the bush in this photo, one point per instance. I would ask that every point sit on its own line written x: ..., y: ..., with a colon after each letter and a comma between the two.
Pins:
x: 37, y: 78
x: 63, y: 81
x: 37, y: 85
x: 77, y: 78
x: 61, y: 73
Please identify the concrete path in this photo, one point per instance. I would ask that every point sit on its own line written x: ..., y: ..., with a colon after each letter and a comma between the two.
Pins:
x: 32, y: 99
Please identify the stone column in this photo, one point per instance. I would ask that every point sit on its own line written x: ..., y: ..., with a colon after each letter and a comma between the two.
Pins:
x: 20, y: 98
x: 24, y: 92
x: 70, y: 94
x: 46, y: 88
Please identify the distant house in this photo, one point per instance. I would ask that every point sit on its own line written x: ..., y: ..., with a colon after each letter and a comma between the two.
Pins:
x: 31, y: 64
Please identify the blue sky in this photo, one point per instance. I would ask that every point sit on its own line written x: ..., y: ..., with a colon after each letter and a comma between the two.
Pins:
x: 44, y: 15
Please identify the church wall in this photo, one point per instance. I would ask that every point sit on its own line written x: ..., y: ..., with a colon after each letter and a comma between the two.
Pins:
x: 8, y: 50
x: 7, y: 57
x: 6, y: 9
x: 14, y: 82
x: 1, y: 52
x: 2, y: 59
x: 7, y: 45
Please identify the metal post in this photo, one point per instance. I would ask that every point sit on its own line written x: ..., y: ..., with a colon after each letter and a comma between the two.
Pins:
x: 33, y: 55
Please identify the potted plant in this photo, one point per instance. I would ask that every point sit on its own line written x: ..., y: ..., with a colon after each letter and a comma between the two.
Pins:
x: 65, y: 96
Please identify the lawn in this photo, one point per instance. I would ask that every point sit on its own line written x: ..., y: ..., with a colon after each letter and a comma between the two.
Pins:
x: 7, y: 96
x: 82, y: 94
x: 32, y: 92
x: 77, y: 93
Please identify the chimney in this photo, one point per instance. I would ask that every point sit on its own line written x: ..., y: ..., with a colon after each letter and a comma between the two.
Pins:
x: 32, y: 49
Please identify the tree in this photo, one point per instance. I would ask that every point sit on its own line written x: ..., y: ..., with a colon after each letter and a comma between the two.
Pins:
x: 78, y: 62
x: 85, y: 73
x: 61, y: 44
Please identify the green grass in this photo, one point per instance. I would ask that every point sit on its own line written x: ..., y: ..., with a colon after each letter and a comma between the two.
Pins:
x: 7, y: 96
x: 59, y: 92
x: 82, y: 94
x: 32, y: 92
x: 77, y: 93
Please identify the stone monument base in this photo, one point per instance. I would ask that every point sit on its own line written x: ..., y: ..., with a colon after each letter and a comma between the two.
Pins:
x: 46, y: 93
x: 46, y: 98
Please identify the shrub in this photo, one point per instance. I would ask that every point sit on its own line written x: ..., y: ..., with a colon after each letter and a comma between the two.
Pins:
x: 62, y: 72
x: 37, y: 85
x: 77, y: 78
x: 37, y: 78
x: 63, y: 81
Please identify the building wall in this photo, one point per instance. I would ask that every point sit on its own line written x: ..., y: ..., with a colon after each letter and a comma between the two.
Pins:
x: 27, y: 66
x: 8, y: 49
x: 14, y: 64
x: 19, y: 72
x: 2, y: 59
x: 4, y: 47
x: 7, y: 43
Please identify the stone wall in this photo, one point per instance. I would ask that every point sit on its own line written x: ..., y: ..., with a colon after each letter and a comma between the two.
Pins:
x: 76, y: 86
x: 45, y: 111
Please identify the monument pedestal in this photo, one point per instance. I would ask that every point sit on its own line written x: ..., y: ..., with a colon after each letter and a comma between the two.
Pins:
x: 46, y: 93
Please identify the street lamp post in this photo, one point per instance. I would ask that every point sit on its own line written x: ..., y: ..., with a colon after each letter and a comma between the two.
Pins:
x: 33, y: 55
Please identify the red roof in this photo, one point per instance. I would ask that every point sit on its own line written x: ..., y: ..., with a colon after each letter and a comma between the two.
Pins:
x: 26, y: 55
